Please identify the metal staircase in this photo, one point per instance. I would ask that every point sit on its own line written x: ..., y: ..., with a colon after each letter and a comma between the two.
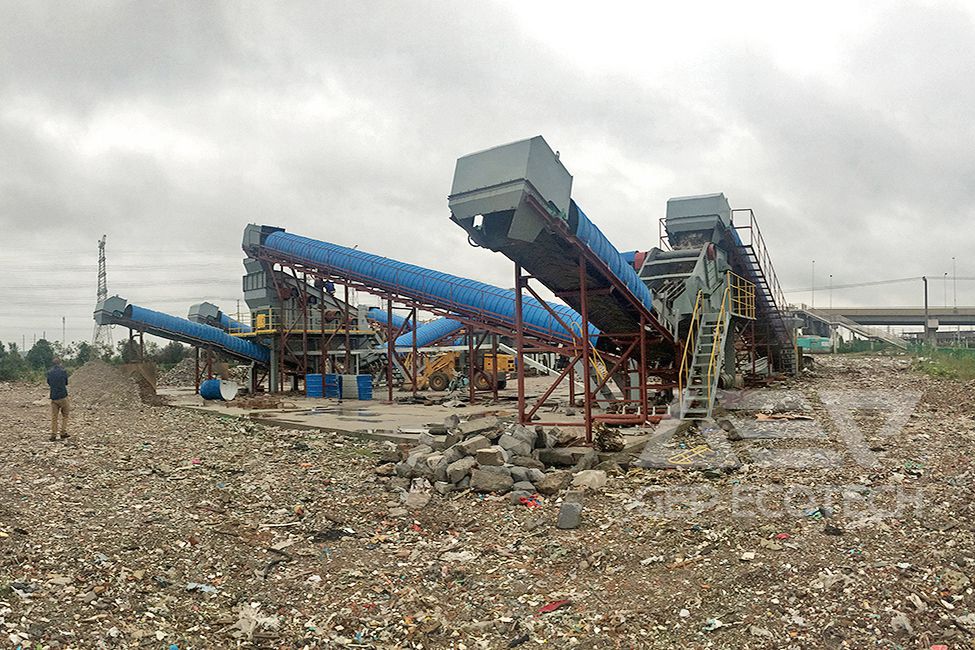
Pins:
x: 704, y: 368
x: 705, y: 348
x: 752, y: 261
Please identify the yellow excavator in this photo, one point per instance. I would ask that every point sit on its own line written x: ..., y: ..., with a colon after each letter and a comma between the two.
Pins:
x: 448, y: 370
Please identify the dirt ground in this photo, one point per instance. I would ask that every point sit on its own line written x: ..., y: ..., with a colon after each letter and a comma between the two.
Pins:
x: 155, y: 527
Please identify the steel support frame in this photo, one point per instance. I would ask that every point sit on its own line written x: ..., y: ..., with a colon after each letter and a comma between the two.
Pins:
x: 480, y: 319
x: 473, y: 320
x: 633, y: 353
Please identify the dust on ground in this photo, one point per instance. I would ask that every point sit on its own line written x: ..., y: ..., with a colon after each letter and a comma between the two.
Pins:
x: 157, y: 526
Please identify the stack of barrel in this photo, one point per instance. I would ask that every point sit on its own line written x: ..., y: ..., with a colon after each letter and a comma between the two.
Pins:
x: 313, y: 386
x: 339, y: 386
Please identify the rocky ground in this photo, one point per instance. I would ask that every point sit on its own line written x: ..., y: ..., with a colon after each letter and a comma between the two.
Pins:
x: 156, y: 527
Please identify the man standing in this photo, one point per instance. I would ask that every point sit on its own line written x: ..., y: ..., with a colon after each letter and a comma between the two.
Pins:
x: 57, y: 379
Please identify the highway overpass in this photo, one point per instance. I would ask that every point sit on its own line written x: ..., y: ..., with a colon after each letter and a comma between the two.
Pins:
x: 903, y: 316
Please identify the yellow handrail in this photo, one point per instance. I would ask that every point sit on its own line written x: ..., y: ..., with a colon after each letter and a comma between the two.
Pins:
x: 683, y: 375
x: 742, y: 296
x: 716, y: 342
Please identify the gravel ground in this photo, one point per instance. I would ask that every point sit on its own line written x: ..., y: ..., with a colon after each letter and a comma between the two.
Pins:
x: 155, y: 526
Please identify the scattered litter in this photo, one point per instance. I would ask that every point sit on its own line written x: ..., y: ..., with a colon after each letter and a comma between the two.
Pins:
x: 554, y: 605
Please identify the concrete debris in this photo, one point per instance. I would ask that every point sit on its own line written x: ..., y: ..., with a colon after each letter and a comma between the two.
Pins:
x: 553, y: 482
x: 160, y: 527
x: 590, y: 479
x: 491, y: 479
x: 607, y: 439
x: 570, y: 515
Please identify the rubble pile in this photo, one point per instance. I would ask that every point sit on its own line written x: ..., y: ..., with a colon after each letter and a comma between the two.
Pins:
x: 182, y: 374
x: 100, y: 385
x: 162, y: 527
x: 487, y: 455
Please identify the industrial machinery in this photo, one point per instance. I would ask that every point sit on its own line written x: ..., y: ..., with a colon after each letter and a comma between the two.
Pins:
x: 638, y: 329
x: 669, y: 318
x: 441, y: 371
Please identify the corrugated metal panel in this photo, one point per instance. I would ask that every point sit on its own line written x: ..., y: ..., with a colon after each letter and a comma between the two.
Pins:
x: 429, y: 332
x: 433, y: 287
x: 587, y: 231
x: 155, y: 322
x: 379, y: 315
x: 229, y: 324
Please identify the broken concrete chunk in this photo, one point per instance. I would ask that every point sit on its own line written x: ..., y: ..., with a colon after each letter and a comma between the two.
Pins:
x: 570, y: 515
x: 390, y: 455
x: 587, y: 461
x: 471, y: 445
x: 527, y: 462
x: 590, y: 479
x: 453, y: 454
x: 560, y: 457
x: 459, y: 469
x: 515, y: 446
x: 533, y: 474
x: 553, y: 482
x: 523, y: 433
x: 403, y: 470
x: 491, y: 479
x: 478, y: 425
x: 443, y: 487
x: 515, y: 496
x: 418, y: 454
x: 490, y: 456
x: 451, y: 421
x: 523, y: 486
x: 556, y: 437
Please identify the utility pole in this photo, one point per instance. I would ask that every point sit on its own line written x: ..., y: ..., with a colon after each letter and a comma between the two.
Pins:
x: 832, y: 321
x: 954, y: 282
x: 927, y: 336
x: 954, y: 298
x: 946, y: 290
x: 813, y: 285
x: 64, y: 339
x: 103, y: 333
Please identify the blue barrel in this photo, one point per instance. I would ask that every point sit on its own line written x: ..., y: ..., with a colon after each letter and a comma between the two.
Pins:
x: 333, y: 386
x: 364, y: 386
x: 218, y: 389
x: 313, y: 385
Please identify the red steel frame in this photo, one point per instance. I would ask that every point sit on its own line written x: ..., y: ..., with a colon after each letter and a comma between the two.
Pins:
x: 474, y: 320
x: 636, y: 410
x: 634, y: 345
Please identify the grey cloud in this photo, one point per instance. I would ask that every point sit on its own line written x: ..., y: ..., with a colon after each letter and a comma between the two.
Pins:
x: 343, y: 121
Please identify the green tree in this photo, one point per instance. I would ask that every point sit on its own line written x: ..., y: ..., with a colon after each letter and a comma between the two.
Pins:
x: 84, y: 354
x: 41, y: 355
x: 12, y: 365
x: 128, y: 351
x: 172, y: 353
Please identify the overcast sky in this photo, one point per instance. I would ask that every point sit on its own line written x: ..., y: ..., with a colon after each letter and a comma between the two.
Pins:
x: 168, y: 127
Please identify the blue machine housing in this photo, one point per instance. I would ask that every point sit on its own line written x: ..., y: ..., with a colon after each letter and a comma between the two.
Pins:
x: 428, y: 333
x: 379, y: 315
x: 459, y: 295
x: 229, y: 324
x: 175, y: 328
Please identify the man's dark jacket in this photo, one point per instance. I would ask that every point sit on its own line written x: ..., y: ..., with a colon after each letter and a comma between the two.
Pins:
x: 57, y: 379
